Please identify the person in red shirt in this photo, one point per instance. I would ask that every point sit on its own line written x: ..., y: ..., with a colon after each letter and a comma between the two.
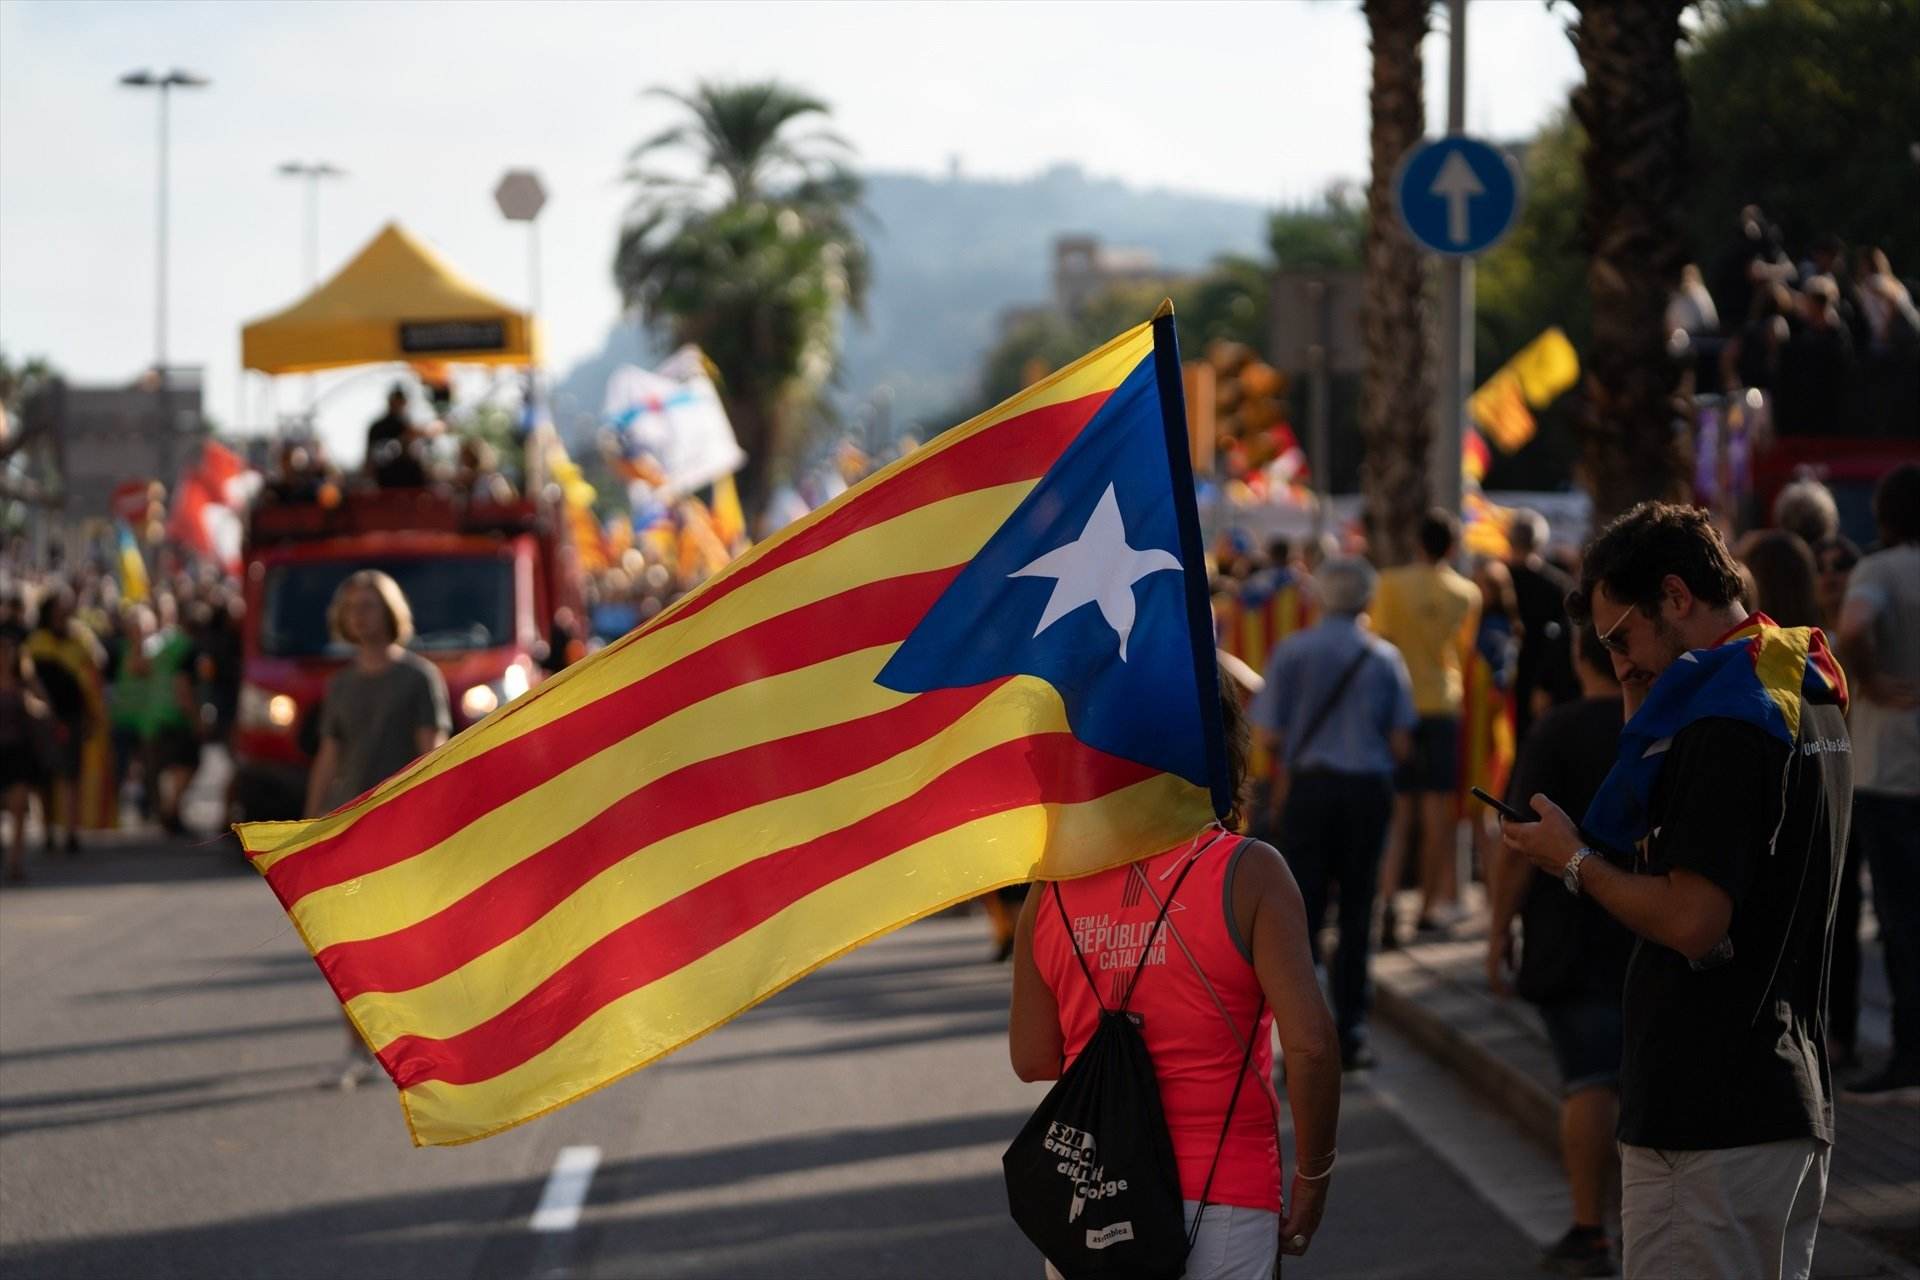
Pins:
x: 1232, y: 957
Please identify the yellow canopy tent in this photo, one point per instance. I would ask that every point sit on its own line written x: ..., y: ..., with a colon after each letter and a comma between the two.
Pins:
x: 396, y: 300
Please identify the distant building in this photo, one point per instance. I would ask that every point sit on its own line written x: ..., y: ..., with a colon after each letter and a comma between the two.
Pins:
x: 107, y: 436
x: 1083, y: 269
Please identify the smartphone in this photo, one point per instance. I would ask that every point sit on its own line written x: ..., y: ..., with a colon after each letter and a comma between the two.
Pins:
x: 1504, y: 809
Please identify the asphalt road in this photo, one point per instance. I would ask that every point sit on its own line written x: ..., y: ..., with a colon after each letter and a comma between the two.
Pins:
x: 164, y: 1040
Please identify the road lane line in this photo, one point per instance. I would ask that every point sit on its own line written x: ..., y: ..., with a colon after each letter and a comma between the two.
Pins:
x: 566, y: 1190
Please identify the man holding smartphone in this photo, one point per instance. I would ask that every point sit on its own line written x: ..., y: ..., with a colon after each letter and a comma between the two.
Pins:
x: 1733, y: 785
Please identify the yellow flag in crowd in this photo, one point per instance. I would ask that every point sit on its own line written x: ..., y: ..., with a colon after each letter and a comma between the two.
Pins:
x: 1531, y: 380
x: 1546, y: 367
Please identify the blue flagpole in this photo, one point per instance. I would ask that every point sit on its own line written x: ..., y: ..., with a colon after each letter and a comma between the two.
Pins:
x: 1193, y: 560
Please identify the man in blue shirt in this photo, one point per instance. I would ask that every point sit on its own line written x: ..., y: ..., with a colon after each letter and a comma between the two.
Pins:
x: 1337, y: 714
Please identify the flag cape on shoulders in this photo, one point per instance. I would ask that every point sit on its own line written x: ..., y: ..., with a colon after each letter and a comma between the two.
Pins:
x: 989, y: 662
x: 1761, y: 674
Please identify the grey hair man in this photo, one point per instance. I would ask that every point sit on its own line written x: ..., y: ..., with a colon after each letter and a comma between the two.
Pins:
x: 1337, y: 715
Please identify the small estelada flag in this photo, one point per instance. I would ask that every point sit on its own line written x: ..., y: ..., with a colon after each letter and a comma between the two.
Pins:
x: 991, y: 661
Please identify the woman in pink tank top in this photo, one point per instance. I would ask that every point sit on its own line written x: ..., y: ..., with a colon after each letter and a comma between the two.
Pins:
x: 1230, y: 960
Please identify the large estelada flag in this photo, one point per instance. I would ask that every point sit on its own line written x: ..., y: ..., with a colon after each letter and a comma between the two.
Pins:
x: 989, y: 662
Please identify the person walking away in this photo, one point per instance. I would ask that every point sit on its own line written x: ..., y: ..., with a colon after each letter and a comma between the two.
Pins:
x: 67, y: 659
x: 1488, y: 743
x: 1337, y: 716
x: 1544, y: 676
x: 171, y: 732
x: 1880, y: 644
x: 1233, y: 960
x: 1430, y: 614
x: 24, y: 717
x: 1572, y: 957
x: 1732, y: 785
x: 386, y: 707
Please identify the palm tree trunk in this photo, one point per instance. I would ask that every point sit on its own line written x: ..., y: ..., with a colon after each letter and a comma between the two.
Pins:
x: 1633, y: 432
x: 1396, y: 406
x: 755, y: 426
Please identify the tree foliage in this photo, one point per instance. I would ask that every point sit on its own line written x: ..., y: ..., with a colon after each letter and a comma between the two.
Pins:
x: 1810, y: 109
x: 755, y: 257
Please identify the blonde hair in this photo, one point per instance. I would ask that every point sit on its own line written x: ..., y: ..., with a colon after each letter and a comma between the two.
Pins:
x: 399, y: 615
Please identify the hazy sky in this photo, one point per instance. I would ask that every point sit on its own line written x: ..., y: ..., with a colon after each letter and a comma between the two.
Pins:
x: 427, y: 103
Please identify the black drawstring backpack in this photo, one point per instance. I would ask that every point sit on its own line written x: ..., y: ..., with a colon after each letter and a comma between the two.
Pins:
x: 1091, y: 1178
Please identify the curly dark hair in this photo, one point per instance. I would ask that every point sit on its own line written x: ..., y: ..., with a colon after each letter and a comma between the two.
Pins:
x: 1634, y: 554
x: 1896, y: 505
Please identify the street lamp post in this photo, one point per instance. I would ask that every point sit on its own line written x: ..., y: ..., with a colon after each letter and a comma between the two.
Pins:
x: 313, y: 173
x: 175, y: 79
x: 520, y: 195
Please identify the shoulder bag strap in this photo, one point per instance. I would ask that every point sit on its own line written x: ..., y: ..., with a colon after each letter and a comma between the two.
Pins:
x: 1146, y: 948
x: 1299, y: 745
x: 1233, y: 1101
x: 1068, y: 926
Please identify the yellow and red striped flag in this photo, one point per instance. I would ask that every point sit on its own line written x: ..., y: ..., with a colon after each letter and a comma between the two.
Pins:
x: 990, y: 661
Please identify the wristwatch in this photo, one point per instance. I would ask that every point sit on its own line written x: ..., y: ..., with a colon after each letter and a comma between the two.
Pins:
x: 1570, y: 875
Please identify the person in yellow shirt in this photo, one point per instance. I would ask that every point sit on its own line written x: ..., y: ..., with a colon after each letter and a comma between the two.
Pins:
x: 1430, y: 613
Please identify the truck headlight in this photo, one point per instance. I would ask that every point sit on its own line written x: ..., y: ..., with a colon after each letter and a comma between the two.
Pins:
x: 477, y: 702
x: 483, y: 699
x: 264, y: 709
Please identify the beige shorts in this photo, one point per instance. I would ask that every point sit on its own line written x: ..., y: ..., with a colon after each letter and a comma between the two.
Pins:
x: 1738, y: 1213
x: 1233, y: 1244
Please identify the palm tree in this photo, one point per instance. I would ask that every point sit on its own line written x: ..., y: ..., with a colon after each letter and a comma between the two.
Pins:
x: 1633, y: 106
x: 752, y: 258
x: 1397, y: 392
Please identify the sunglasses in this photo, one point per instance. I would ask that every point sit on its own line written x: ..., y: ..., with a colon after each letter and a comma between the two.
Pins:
x: 1612, y: 643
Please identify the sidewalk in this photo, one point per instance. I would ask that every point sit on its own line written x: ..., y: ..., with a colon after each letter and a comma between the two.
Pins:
x: 1435, y: 993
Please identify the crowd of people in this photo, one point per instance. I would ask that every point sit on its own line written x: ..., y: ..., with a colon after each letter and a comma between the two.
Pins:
x: 1832, y: 334
x: 109, y: 698
x: 1382, y: 698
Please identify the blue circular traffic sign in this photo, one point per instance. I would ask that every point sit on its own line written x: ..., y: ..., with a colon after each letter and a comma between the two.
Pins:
x: 1457, y: 195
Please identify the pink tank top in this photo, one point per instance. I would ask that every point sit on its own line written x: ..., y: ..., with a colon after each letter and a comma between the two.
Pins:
x: 1195, y: 1055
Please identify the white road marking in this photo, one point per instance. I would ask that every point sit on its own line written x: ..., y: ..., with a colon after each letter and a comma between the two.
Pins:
x: 566, y: 1189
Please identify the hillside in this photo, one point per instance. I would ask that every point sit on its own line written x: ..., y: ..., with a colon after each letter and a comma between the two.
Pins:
x: 951, y: 253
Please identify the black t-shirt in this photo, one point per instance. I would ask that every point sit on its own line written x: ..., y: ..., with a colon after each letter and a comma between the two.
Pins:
x: 1570, y: 949
x: 1733, y: 1053
x: 390, y: 454
x: 1546, y: 640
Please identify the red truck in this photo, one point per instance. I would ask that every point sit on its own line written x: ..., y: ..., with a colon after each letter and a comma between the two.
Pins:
x: 494, y: 588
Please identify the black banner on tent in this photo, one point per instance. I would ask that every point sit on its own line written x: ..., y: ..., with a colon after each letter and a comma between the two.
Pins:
x: 419, y: 337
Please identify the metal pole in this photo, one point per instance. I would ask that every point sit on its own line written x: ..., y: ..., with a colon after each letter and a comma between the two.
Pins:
x: 313, y: 227
x: 1456, y: 316
x: 533, y: 311
x: 160, y: 253
x: 533, y: 267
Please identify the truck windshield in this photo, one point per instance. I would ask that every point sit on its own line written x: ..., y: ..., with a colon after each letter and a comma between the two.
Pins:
x: 457, y: 603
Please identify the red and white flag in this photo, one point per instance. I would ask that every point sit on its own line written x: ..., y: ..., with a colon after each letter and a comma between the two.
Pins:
x: 208, y: 504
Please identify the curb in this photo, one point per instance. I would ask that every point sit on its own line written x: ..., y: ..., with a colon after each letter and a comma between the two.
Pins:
x: 1534, y: 1108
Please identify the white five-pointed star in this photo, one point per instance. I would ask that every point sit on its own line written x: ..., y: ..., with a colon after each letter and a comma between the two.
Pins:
x: 1097, y: 568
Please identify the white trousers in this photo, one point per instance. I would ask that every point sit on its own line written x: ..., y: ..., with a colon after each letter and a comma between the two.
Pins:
x: 1738, y: 1213
x: 1234, y: 1244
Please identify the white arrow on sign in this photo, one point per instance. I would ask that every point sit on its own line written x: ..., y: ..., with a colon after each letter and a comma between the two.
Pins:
x: 1457, y: 185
